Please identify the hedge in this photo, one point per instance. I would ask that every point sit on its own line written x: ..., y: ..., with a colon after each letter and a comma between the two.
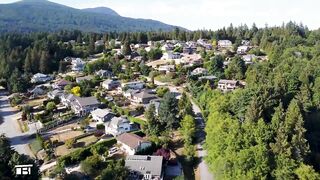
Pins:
x: 81, y: 154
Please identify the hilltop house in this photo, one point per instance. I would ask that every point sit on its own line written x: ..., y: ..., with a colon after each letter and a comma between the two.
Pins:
x: 77, y: 65
x: 224, y: 44
x: 110, y: 84
x: 99, y: 43
x: 144, y: 167
x: 132, y: 143
x: 40, y: 78
x: 228, y: 85
x: 102, y: 115
x: 167, y: 47
x: 117, y: 126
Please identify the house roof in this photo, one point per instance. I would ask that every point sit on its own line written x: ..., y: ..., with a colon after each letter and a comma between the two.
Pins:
x: 63, y: 82
x: 116, y: 121
x: 87, y: 101
x: 225, y: 81
x: 101, y: 112
x: 131, y: 140
x: 144, y: 94
x: 88, y: 78
x: 145, y: 164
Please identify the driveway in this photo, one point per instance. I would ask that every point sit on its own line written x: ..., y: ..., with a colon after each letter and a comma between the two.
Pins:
x: 10, y: 127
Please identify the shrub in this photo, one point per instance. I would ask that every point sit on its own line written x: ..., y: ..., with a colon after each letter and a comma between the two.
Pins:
x: 70, y: 143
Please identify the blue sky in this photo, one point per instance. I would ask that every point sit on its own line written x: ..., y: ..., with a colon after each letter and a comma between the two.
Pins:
x: 210, y: 14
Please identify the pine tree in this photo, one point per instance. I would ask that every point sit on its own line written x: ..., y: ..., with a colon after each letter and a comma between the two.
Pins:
x: 28, y: 63
x: 168, y: 111
x: 185, y: 106
x: 44, y: 62
x: 153, y: 127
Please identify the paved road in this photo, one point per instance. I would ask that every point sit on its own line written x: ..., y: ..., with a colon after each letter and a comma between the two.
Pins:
x: 10, y: 127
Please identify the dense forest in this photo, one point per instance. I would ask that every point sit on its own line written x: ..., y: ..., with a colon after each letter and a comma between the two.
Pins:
x: 44, y: 16
x: 270, y: 129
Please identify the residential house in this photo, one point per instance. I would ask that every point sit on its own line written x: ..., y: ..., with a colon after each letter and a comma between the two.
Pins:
x: 133, y: 85
x: 167, y: 47
x: 228, y: 85
x: 132, y: 143
x: 128, y: 93
x: 143, y: 97
x: 117, y: 126
x: 110, y: 84
x: 248, y: 58
x: 166, y: 68
x: 67, y: 99
x: 171, y: 55
x: 40, y: 78
x: 243, y: 49
x: 99, y: 43
x: 61, y: 84
x: 224, y: 44
x: 84, y: 105
x: 84, y: 78
x: 199, y: 71
x: 104, y: 73
x: 57, y: 93
x: 37, y: 91
x: 245, y: 43
x: 144, y: 167
x: 189, y: 50
x: 102, y: 115
x: 77, y: 65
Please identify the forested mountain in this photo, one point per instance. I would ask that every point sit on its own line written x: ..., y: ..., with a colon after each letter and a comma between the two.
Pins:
x: 45, y: 16
x: 101, y: 10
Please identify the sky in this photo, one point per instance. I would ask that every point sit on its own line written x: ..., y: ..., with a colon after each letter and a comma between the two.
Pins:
x: 210, y: 14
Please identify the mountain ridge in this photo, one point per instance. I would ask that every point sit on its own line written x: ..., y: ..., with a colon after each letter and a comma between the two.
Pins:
x: 46, y: 16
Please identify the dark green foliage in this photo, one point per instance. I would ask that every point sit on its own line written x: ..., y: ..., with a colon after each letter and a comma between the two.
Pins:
x: 168, y: 111
x: 9, y: 158
x: 46, y: 16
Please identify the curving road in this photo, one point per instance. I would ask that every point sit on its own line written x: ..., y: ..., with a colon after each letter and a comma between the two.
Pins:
x: 10, y: 127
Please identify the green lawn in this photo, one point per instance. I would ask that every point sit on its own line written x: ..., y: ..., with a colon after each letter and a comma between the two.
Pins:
x: 35, y: 146
x: 137, y: 120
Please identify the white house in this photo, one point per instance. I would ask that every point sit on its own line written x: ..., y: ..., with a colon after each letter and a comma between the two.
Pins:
x: 166, y: 68
x: 224, y: 43
x: 84, y: 78
x: 77, y: 65
x: 243, y: 49
x: 133, y: 85
x: 228, y: 85
x: 55, y: 93
x: 199, y: 71
x: 171, y: 55
x: 61, y: 84
x: 40, y: 78
x: 83, y: 105
x: 132, y: 143
x: 37, y: 91
x: 102, y: 115
x: 99, y: 43
x: 143, y: 97
x: 104, y: 73
x: 117, y: 126
x: 167, y: 47
x: 110, y: 84
x: 248, y: 57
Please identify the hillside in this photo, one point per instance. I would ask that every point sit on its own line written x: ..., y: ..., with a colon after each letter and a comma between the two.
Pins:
x: 39, y: 16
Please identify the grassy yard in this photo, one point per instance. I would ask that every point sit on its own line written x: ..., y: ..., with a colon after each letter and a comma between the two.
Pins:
x: 81, y: 143
x: 164, y: 78
x: 35, y: 146
x: 137, y: 120
x: 35, y: 102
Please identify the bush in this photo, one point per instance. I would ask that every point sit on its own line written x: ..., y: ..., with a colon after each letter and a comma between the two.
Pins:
x: 51, y: 106
x: 70, y: 143
x: 100, y: 127
x: 161, y: 91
